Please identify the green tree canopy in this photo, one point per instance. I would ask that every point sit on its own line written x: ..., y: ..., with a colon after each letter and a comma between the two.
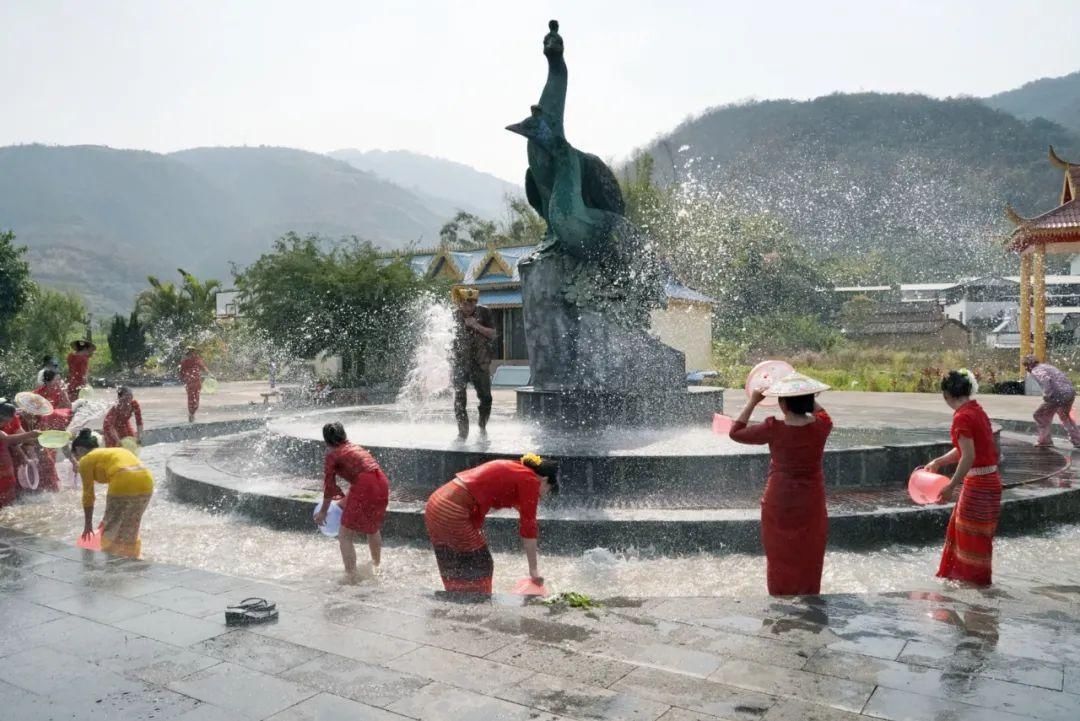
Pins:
x: 312, y: 296
x: 521, y: 226
x: 15, y: 284
x: 127, y: 342
x: 749, y: 263
x: 178, y: 314
x: 49, y: 321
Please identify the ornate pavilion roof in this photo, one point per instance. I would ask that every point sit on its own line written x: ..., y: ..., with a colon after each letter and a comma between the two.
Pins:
x: 1060, y: 225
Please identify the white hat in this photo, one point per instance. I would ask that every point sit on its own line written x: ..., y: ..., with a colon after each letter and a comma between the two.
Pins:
x: 795, y: 384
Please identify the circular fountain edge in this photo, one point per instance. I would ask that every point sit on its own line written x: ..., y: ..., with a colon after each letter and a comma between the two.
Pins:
x: 193, y: 479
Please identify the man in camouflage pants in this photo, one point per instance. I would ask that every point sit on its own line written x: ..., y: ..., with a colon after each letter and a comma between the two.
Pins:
x: 474, y: 328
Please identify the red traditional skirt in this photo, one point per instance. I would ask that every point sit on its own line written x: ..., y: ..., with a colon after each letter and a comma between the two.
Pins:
x: 794, y: 532
x: 969, y: 540
x: 8, y: 486
x: 461, y: 551
x: 364, y: 508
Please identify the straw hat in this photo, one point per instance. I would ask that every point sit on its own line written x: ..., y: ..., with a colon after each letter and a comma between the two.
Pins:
x: 795, y: 384
x: 460, y: 294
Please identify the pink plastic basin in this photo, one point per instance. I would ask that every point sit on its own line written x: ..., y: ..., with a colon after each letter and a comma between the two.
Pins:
x: 764, y: 374
x: 925, y: 486
x: 528, y: 587
x: 721, y: 424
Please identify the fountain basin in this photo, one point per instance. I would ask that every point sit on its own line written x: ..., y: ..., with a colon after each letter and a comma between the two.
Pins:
x: 643, y: 466
x: 215, y: 473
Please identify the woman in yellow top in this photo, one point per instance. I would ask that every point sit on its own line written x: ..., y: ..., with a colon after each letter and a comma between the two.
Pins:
x: 130, y: 488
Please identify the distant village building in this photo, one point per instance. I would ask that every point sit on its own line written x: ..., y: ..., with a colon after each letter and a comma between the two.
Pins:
x: 1056, y: 231
x: 906, y: 325
x: 686, y: 323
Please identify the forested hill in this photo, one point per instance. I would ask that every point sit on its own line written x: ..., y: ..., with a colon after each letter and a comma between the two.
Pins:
x: 98, y: 220
x: 916, y: 183
x: 443, y: 184
x: 1056, y: 99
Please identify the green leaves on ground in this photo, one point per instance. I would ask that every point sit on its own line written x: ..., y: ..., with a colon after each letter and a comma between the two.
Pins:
x: 573, y: 599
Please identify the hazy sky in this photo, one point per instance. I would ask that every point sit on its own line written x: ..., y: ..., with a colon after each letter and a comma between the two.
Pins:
x: 444, y: 78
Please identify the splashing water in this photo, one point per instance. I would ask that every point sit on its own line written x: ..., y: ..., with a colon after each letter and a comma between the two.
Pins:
x: 429, y: 376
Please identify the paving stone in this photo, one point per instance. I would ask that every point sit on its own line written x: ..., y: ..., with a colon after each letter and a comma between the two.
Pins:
x: 886, y: 647
x: 210, y: 712
x: 65, y: 570
x: 30, y: 586
x: 789, y: 709
x: 825, y: 690
x: 356, y: 680
x: 436, y: 702
x: 894, y: 705
x: 739, y: 645
x: 331, y: 638
x: 45, y: 671
x: 681, y: 714
x: 212, y: 583
x: 457, y: 669
x: 695, y: 694
x: 126, y: 586
x: 591, y: 670
x: 668, y: 657
x: 101, y: 607
x: 953, y: 686
x: 83, y: 637
x: 17, y: 613
x: 451, y: 636
x: 187, y: 601
x: 984, y: 662
x: 167, y: 667
x: 1072, y: 679
x: 326, y: 707
x: 564, y: 697
x: 172, y: 627
x: 260, y: 653
x: 241, y: 690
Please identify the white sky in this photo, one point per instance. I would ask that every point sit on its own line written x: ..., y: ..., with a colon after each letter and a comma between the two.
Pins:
x: 444, y: 78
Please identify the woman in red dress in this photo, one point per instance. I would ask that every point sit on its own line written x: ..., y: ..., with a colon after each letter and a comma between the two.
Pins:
x: 192, y: 369
x: 52, y: 390
x: 794, y: 522
x: 11, y: 437
x: 78, y: 361
x: 969, y: 539
x: 117, y: 423
x: 455, y: 513
x: 364, y: 508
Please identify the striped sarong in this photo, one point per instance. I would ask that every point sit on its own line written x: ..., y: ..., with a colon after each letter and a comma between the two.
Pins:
x: 461, y: 551
x: 120, y: 532
x: 969, y: 540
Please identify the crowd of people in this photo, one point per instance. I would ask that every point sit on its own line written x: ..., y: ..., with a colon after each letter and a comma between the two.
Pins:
x: 794, y: 518
x: 109, y: 457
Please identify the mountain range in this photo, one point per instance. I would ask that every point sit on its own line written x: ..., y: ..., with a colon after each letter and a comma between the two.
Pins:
x: 1056, y: 99
x: 904, y: 175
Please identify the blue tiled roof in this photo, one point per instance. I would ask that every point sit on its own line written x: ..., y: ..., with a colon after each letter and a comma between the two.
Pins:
x: 505, y: 297
x: 492, y: 278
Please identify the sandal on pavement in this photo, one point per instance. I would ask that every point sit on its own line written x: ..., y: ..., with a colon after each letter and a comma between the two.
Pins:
x: 249, y: 611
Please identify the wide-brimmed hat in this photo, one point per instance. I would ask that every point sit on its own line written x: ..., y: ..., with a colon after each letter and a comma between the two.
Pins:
x: 82, y: 344
x: 795, y: 384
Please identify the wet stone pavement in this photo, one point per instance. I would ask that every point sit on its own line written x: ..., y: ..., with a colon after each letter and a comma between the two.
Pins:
x: 87, y: 636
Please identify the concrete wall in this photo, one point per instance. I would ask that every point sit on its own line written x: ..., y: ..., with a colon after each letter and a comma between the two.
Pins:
x: 686, y: 327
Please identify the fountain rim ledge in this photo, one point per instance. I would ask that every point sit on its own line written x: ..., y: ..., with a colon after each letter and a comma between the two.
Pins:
x: 1024, y: 509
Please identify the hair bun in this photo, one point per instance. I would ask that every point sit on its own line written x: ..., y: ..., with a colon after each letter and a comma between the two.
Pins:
x: 531, y: 460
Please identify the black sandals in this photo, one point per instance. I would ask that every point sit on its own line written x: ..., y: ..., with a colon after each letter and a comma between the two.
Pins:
x: 250, y: 611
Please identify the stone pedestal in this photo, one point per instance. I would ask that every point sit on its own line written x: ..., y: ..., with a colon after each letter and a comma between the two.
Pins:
x: 601, y: 409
